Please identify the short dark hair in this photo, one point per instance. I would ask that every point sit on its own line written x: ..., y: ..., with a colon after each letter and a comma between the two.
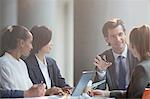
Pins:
x: 11, y: 35
x: 41, y: 37
x: 111, y: 24
x: 140, y: 39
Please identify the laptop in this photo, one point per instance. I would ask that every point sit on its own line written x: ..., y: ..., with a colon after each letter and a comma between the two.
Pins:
x: 84, y: 80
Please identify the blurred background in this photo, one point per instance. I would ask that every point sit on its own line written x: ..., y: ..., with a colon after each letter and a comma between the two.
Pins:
x: 76, y: 25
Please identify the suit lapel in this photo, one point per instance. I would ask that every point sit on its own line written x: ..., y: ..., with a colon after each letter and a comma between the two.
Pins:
x: 50, y: 71
x: 37, y: 70
x: 110, y: 58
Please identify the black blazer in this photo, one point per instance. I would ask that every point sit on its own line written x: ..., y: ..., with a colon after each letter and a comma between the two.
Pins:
x: 111, y: 76
x: 36, y: 75
x: 140, y: 80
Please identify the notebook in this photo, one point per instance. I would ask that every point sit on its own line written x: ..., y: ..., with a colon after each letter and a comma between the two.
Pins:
x: 84, y: 79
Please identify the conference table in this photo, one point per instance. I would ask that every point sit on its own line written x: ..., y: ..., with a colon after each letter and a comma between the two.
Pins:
x: 67, y: 97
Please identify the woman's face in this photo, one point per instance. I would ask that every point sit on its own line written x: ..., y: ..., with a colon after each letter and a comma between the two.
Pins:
x: 47, y: 48
x: 26, y: 45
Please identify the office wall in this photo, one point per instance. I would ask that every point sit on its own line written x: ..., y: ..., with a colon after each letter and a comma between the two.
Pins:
x: 0, y: 21
x: 89, y: 17
x: 0, y: 13
x: 8, y: 13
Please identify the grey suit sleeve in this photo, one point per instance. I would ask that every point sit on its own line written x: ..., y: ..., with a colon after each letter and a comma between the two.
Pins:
x: 118, y: 94
x: 11, y: 94
x: 101, y: 74
x: 59, y: 80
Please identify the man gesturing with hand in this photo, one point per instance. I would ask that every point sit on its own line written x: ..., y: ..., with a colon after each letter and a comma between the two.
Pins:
x: 109, y: 65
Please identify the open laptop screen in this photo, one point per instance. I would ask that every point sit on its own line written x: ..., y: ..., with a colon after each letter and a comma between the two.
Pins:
x: 85, y: 78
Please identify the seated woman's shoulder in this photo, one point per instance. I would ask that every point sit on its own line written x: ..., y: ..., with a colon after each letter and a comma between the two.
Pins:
x: 50, y: 59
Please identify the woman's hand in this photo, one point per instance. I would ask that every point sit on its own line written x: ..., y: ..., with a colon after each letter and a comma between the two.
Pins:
x: 54, y: 91
x: 35, y: 91
x: 102, y: 93
x: 67, y: 90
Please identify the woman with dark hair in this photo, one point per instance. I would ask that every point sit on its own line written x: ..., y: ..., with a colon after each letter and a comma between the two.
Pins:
x: 16, y: 41
x: 40, y: 67
x: 140, y: 47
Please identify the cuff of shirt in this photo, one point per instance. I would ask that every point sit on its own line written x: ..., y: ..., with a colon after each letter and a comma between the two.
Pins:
x: 101, y: 74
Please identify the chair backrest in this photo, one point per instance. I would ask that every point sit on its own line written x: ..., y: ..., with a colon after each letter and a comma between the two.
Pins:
x: 146, y: 94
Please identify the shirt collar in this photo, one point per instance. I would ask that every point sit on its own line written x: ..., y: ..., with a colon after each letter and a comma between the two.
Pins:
x: 124, y: 53
x: 11, y: 57
x: 40, y: 62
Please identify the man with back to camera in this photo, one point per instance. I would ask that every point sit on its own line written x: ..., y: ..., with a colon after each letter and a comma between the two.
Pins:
x: 116, y: 64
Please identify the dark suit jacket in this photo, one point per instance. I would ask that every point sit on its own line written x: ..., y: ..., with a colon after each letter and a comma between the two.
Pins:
x: 36, y: 75
x: 140, y: 80
x: 11, y: 94
x: 111, y: 76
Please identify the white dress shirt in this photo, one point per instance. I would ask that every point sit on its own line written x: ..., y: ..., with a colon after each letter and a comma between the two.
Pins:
x: 125, y: 60
x: 13, y: 73
x: 43, y: 67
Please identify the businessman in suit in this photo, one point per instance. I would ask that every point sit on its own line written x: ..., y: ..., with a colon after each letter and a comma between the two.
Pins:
x: 110, y: 67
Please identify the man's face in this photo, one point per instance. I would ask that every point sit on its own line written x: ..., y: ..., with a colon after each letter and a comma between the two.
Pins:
x: 117, y: 39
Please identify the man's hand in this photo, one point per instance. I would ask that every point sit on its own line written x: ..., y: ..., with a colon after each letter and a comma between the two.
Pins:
x: 102, y: 93
x: 36, y: 91
x: 101, y: 63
